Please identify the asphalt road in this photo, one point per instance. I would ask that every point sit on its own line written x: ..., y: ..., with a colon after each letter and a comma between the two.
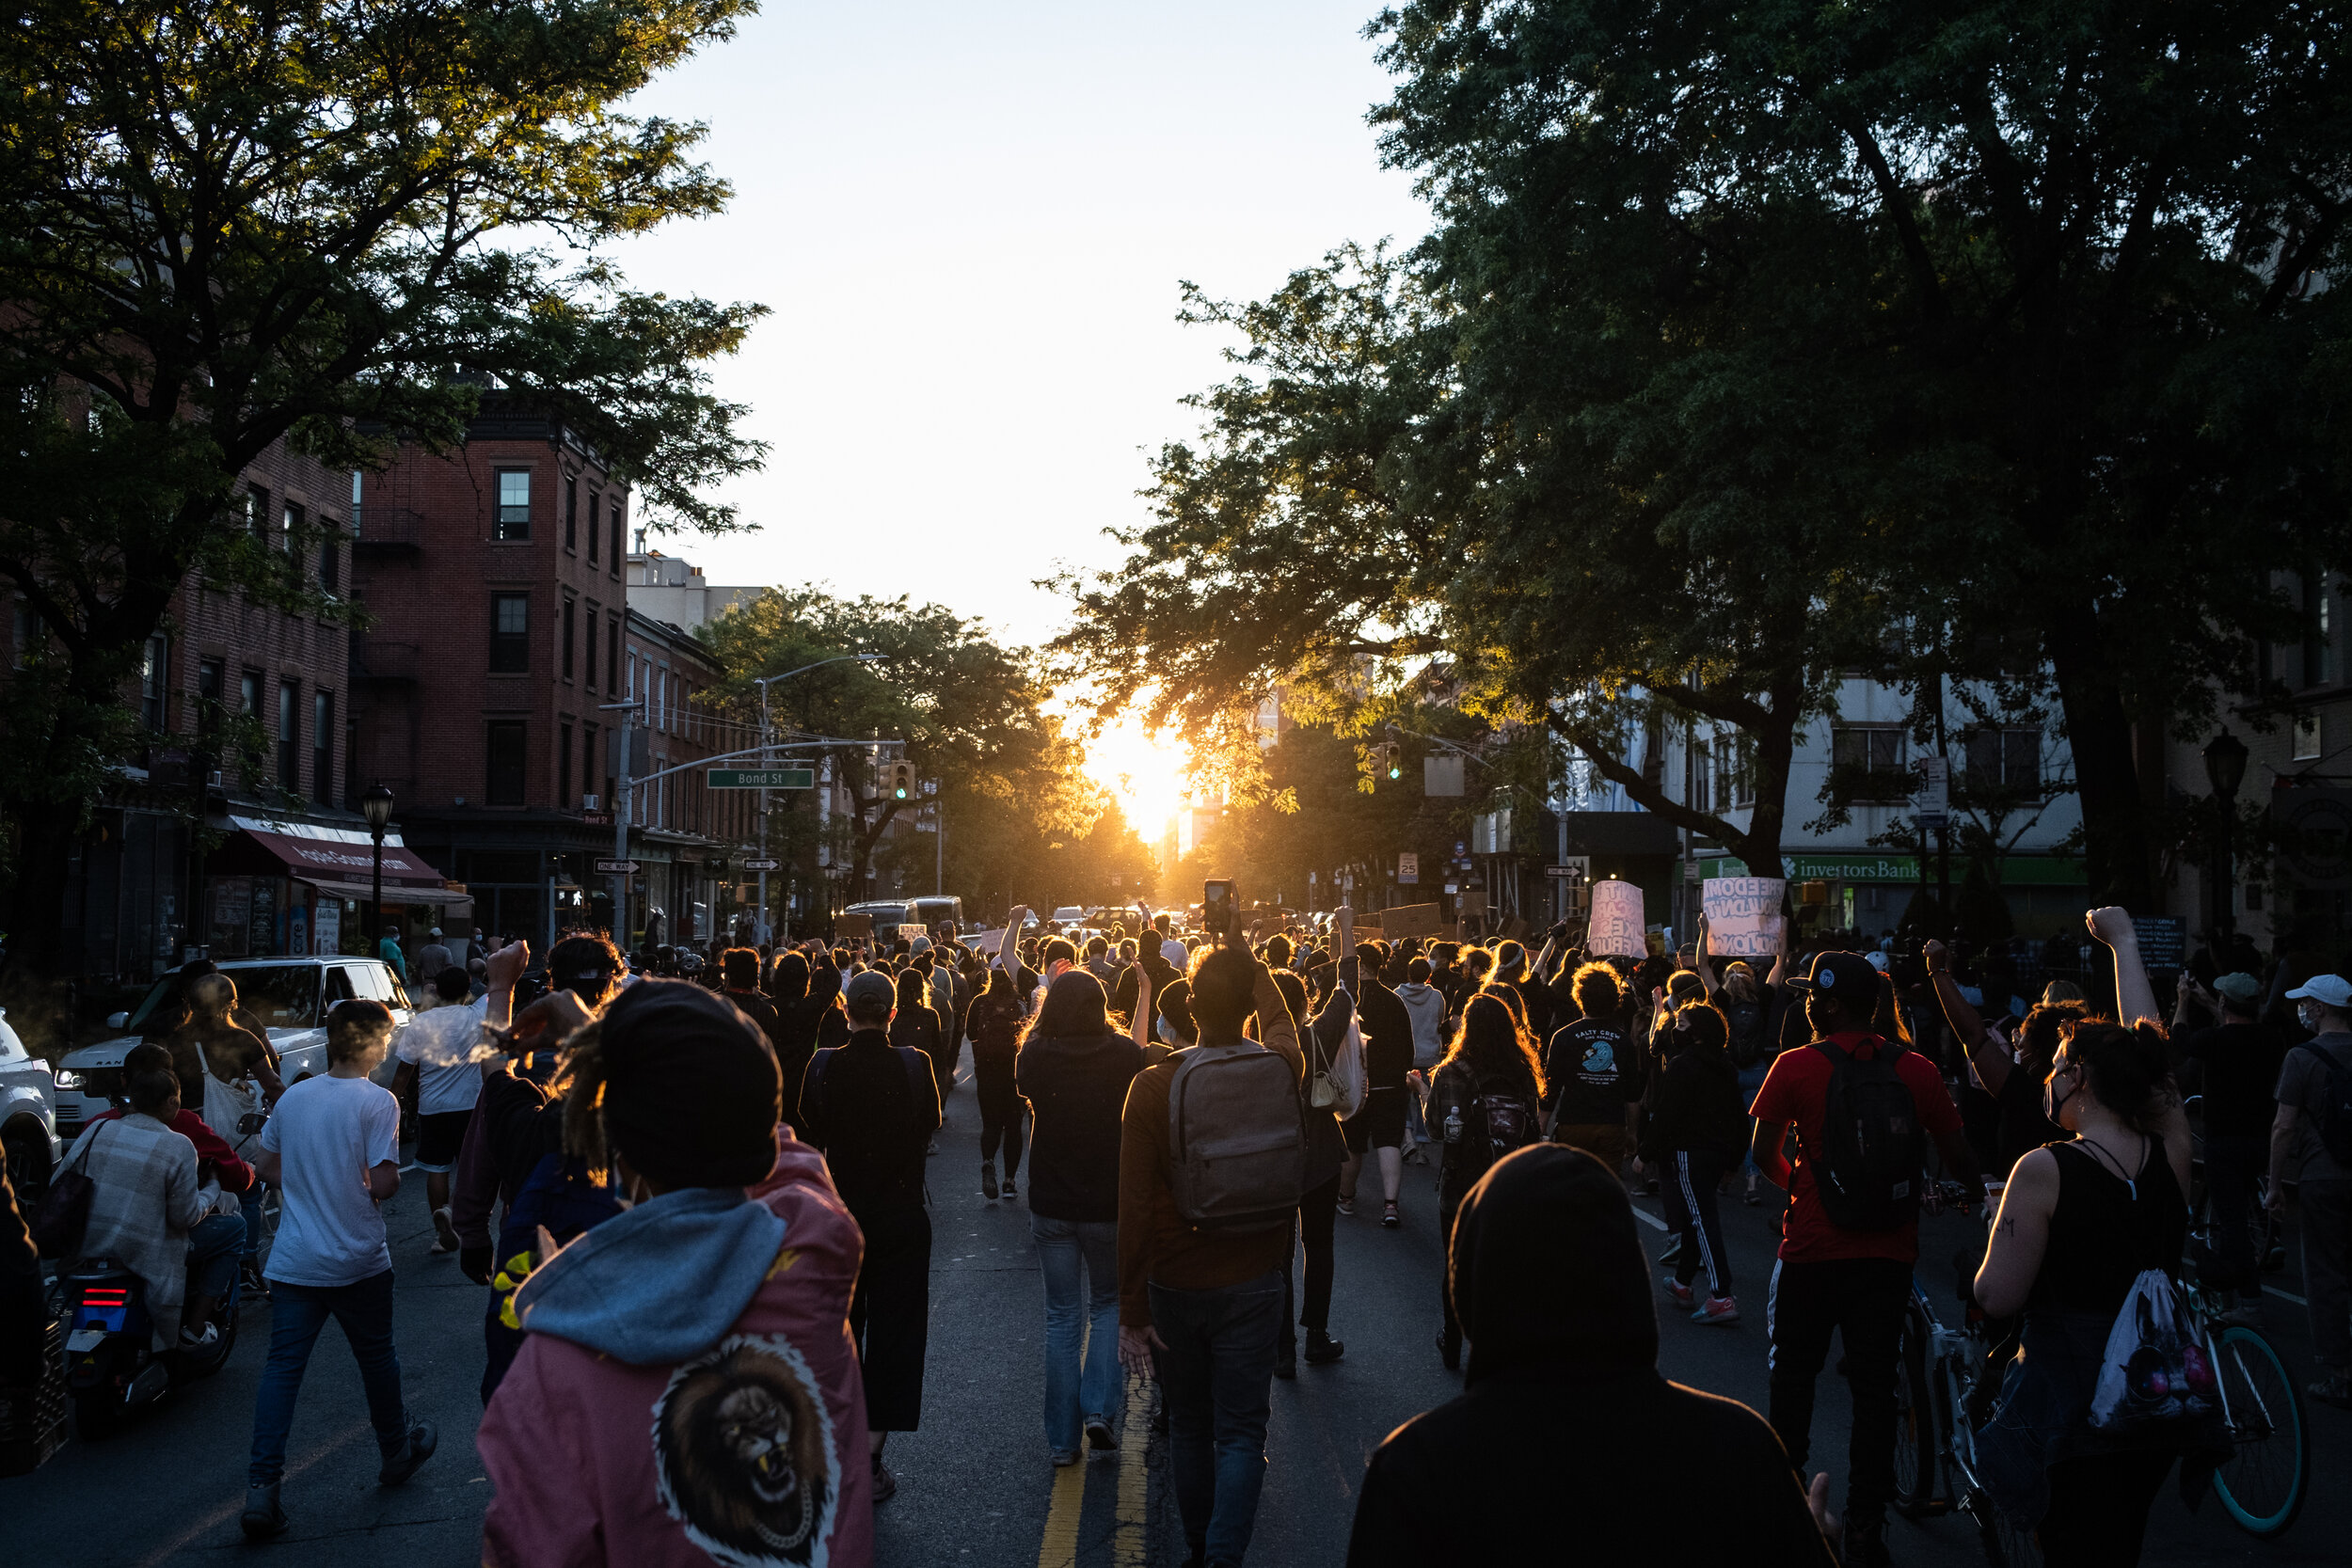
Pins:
x: 975, y: 1486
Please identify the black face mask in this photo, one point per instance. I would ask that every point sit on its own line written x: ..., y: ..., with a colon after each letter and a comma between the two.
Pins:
x: 2052, y: 1103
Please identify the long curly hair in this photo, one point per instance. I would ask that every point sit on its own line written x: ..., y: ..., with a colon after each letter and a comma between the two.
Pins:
x: 1490, y: 1042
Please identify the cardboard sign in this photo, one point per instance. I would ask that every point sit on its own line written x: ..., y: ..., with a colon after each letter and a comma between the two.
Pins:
x: 1411, y: 920
x: 854, y: 926
x: 1742, y: 915
x: 1616, y: 930
x: 908, y: 933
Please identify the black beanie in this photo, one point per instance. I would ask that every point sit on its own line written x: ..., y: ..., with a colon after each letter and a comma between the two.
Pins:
x: 1547, y: 1269
x: 692, y: 1094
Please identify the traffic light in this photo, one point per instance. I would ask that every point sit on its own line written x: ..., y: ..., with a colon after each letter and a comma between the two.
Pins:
x: 902, y: 780
x: 1387, y: 758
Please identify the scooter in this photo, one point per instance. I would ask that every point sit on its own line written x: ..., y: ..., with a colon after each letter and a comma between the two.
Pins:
x: 111, y: 1365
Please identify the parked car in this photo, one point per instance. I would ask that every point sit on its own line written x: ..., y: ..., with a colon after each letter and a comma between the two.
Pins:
x: 28, y: 1115
x: 291, y: 996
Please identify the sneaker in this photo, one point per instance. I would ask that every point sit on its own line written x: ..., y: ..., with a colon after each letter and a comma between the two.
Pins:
x: 1322, y: 1349
x: 2335, y: 1389
x: 407, y: 1460
x: 1346, y: 1206
x: 1100, y: 1436
x: 264, y: 1516
x: 1720, y: 1311
x: 1683, y: 1296
x: 1012, y: 1188
x: 885, y: 1484
x: 1673, y: 1253
x: 446, y: 1232
x: 191, y: 1340
x: 1389, y: 1220
x: 1063, y: 1459
x: 988, y: 1179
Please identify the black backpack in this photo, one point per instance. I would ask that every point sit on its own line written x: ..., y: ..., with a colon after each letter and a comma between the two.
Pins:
x: 1747, y: 1033
x: 2334, y: 1117
x: 1505, y: 1121
x: 1874, y: 1149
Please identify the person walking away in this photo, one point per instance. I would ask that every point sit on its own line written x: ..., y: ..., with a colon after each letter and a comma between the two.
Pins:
x: 1204, y: 1224
x: 156, y: 1203
x: 2313, y: 1132
x: 1388, y: 1030
x: 873, y: 1108
x: 807, y: 986
x: 715, y: 1304
x: 433, y: 958
x: 1564, y: 1403
x: 1594, y: 1077
x: 738, y: 982
x: 388, y: 949
x: 1309, y: 1306
x: 1424, y: 1003
x: 2241, y: 1058
x: 1697, y: 1130
x: 333, y: 1150
x: 1485, y: 1100
x: 1852, y: 1231
x: 1074, y: 1068
x: 2080, y: 1221
x: 915, y: 1027
x: 995, y: 1020
x: 440, y: 1054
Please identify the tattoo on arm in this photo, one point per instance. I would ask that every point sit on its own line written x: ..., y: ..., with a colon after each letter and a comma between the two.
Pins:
x: 2008, y: 1227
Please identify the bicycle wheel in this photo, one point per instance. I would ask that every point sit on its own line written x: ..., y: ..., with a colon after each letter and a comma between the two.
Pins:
x: 2006, y: 1542
x: 1915, y: 1432
x: 2268, y: 1473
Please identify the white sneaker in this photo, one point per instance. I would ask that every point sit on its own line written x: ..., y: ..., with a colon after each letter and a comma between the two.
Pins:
x: 190, y: 1339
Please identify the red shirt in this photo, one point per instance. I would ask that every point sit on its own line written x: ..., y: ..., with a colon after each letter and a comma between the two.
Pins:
x: 235, y: 1175
x: 1796, y: 1089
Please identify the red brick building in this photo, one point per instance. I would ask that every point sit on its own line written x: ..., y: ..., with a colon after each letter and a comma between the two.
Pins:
x: 500, y: 638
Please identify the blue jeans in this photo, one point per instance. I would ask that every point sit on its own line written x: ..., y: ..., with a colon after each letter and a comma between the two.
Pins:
x: 252, y: 1210
x: 213, y: 1257
x: 1064, y: 1247
x: 297, y: 1313
x: 1216, y: 1377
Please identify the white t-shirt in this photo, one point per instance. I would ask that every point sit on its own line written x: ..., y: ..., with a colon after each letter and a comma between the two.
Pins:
x: 328, y: 1133
x: 443, y: 1043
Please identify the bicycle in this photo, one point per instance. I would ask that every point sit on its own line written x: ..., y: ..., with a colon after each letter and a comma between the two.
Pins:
x: 2267, y: 1234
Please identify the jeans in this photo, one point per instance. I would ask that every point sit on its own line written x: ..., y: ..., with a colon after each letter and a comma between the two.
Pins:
x: 1066, y: 1249
x: 213, y: 1257
x: 2233, y: 1165
x: 1318, y: 1215
x: 1688, y: 1187
x: 1862, y: 1300
x: 297, y: 1313
x: 2328, y: 1270
x: 251, y: 1210
x: 1217, y: 1378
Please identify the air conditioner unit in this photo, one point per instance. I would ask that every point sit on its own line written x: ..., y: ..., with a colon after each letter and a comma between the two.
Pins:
x: 588, y: 802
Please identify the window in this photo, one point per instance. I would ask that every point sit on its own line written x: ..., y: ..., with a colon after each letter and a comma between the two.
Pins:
x: 571, y: 515
x: 1866, y: 764
x: 257, y: 514
x: 568, y: 607
x: 510, y: 633
x: 617, y: 538
x: 289, y: 736
x: 514, y: 514
x: 323, y: 747
x: 356, y: 481
x: 612, y: 655
x: 593, y: 503
x: 564, y: 800
x: 249, y: 693
x: 2005, y: 759
x: 588, y: 762
x: 330, y: 567
x: 31, y: 636
x: 210, y: 674
x: 506, y: 762
x: 632, y: 678
x: 289, y: 524
x: 155, y: 682
x: 2307, y: 748
x: 591, y: 648
x: 2319, y: 647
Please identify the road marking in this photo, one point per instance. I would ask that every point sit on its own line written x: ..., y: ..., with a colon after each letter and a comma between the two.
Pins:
x: 1061, y: 1546
x: 2284, y: 1295
x: 1647, y: 1218
x: 1130, y: 1533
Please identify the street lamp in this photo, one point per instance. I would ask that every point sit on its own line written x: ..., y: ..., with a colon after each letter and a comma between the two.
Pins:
x: 763, y: 682
x: 376, y: 806
x: 2225, y: 770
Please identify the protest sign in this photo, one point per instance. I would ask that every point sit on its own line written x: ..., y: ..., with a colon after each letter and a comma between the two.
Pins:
x: 1742, y: 915
x: 1616, y: 928
x: 852, y: 925
x: 1411, y: 920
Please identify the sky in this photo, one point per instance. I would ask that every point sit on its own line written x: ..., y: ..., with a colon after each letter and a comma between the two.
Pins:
x: 970, y: 223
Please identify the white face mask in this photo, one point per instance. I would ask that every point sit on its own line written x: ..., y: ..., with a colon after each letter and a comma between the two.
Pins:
x: 2311, y: 1014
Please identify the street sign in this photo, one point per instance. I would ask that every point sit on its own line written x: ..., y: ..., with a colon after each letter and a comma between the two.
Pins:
x: 1932, y: 804
x: 761, y: 865
x: 616, y: 868
x: 1408, y: 870
x: 597, y: 818
x: 763, y: 778
x: 1576, y: 868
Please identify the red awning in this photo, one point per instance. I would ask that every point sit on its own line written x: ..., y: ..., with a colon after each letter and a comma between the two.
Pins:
x: 316, y: 860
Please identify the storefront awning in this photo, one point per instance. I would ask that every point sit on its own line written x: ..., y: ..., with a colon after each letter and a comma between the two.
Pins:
x: 261, y: 851
x: 441, y: 897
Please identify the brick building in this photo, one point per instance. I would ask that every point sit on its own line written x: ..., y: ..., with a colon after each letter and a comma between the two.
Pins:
x: 493, y: 578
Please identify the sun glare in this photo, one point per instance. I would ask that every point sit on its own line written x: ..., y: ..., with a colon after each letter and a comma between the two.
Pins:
x: 1145, y: 771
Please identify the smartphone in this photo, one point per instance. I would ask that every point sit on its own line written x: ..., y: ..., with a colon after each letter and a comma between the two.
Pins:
x: 1219, y: 909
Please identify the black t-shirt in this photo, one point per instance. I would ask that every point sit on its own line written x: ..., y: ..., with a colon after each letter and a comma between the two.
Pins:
x: 1077, y: 1089
x: 1592, y: 1074
x: 2242, y: 1063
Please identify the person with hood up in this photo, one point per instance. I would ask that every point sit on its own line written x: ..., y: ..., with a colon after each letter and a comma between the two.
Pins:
x: 1698, y: 1128
x: 717, y: 1303
x: 1564, y: 1430
x: 1424, y: 1003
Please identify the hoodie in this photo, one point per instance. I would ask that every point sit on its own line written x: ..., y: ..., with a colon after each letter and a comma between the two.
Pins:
x: 1564, y: 1403
x: 1697, y: 1104
x: 722, y: 1313
x: 1427, y: 1006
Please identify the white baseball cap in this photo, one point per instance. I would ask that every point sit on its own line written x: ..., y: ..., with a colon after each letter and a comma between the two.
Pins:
x: 2330, y: 990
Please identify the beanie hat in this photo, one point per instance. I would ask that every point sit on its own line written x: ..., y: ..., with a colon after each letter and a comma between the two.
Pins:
x: 1545, y: 1269
x: 688, y: 1086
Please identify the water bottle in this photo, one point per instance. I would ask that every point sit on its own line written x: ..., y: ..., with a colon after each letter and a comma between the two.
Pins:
x: 1454, y: 1124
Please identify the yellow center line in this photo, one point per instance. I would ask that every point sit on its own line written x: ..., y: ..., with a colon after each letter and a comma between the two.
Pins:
x: 1129, y: 1533
x: 1061, y: 1547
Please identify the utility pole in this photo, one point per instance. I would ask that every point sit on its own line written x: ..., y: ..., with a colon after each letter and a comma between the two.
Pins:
x: 939, y: 839
x: 765, y: 761
x: 620, y: 819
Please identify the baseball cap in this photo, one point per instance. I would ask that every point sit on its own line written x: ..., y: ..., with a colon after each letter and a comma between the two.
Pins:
x: 2327, y: 989
x: 1844, y: 975
x: 872, y: 988
x: 2239, y: 986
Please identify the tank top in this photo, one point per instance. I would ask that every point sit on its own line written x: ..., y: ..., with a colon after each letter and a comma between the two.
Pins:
x: 2106, y: 1230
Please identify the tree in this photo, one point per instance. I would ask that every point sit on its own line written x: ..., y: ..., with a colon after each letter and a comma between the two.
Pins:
x: 232, y: 226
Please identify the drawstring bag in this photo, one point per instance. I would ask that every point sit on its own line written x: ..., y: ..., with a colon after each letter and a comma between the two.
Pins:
x: 1339, y: 1086
x: 2154, y: 1374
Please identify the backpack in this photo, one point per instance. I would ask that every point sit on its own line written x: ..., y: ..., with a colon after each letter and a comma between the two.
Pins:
x: 1236, y: 1139
x: 2334, y: 1117
x: 1747, y: 1033
x: 1505, y: 1121
x: 1874, y: 1151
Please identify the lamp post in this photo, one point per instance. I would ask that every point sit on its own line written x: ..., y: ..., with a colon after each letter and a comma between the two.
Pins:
x: 376, y: 805
x: 2225, y: 770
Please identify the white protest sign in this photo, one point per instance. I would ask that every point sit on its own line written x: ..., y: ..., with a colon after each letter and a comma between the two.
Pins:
x: 1742, y: 915
x: 1616, y: 928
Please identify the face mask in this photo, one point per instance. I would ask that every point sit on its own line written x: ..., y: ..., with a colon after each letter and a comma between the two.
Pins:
x: 2052, y: 1101
x: 2309, y: 1014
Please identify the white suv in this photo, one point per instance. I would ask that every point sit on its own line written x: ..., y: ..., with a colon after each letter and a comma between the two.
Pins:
x: 291, y: 996
x: 28, y: 1116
